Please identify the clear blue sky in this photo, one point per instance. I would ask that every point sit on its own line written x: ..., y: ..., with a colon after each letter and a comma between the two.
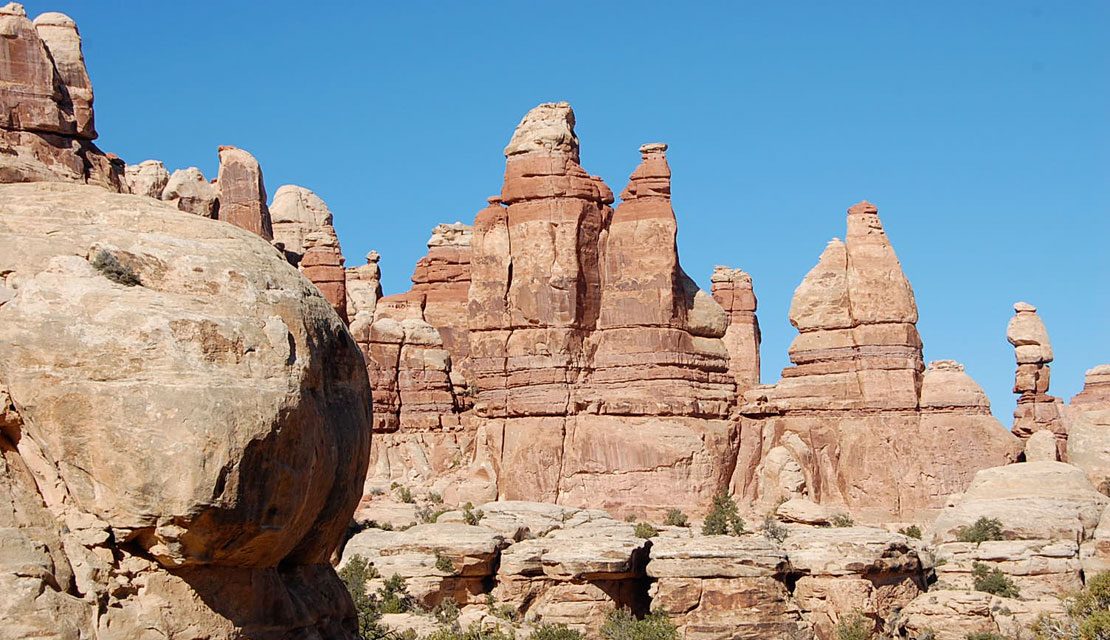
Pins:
x: 980, y: 129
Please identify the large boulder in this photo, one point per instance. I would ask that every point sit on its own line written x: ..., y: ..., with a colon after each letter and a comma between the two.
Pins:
x: 194, y: 415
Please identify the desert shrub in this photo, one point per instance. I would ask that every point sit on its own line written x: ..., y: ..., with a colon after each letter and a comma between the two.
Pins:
x: 993, y: 581
x: 504, y: 611
x: 645, y: 530
x: 434, y: 497
x: 447, y: 612
x: 842, y: 520
x: 723, y: 518
x: 983, y: 530
x: 630, y: 518
x: 854, y: 626
x: 773, y: 529
x: 622, y: 625
x: 984, y: 635
x: 474, y: 632
x: 427, y: 514
x: 377, y: 491
x: 395, y: 596
x: 355, y: 575
x: 1087, y: 617
x: 444, y: 564
x: 405, y: 494
x: 110, y: 267
x: 555, y: 632
x: 472, y: 516
x: 675, y: 518
x: 912, y: 531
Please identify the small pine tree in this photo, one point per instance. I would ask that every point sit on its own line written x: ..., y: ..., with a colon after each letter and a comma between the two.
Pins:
x: 723, y: 518
x: 912, y: 531
x: 983, y: 530
x: 645, y: 530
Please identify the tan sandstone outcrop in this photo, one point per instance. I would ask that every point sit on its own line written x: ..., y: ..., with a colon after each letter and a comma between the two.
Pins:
x: 732, y: 289
x: 241, y: 192
x: 858, y: 421
x: 302, y: 223
x: 187, y: 190
x: 184, y: 421
x: 46, y: 115
x: 148, y: 178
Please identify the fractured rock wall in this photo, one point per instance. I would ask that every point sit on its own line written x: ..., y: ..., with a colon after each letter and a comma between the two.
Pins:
x: 46, y: 114
x: 858, y: 421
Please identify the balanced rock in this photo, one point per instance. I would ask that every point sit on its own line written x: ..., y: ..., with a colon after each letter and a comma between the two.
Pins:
x: 1036, y: 410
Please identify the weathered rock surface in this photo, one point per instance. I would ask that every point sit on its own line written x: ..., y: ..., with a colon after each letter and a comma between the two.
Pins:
x: 241, y: 192
x: 241, y: 437
x: 1036, y: 409
x: 733, y: 290
x: 148, y: 178
x: 46, y: 115
x: 858, y: 391
x: 187, y: 190
x: 954, y: 615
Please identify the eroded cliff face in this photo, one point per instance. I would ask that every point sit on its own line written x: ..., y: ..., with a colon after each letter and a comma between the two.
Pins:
x: 858, y: 421
x: 185, y: 426
x: 556, y: 351
x: 46, y: 114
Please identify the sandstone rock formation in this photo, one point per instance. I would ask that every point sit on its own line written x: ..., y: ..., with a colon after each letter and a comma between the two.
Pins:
x: 302, y: 223
x: 46, y: 115
x: 241, y: 192
x: 187, y: 190
x: 1036, y: 409
x: 148, y: 178
x: 364, y: 289
x: 732, y: 289
x: 184, y: 426
x: 858, y: 392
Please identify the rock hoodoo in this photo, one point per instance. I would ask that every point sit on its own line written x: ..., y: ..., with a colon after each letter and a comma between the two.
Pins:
x: 858, y: 391
x: 1036, y: 410
x: 241, y: 192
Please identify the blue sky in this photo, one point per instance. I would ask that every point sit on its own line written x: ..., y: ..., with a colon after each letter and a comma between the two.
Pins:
x: 980, y: 129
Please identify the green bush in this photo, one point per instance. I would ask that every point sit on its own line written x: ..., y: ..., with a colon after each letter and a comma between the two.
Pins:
x: 1087, y: 617
x: 110, y: 267
x: 434, y: 497
x: 622, y: 625
x: 447, y: 612
x: 854, y: 626
x: 984, y: 635
x: 472, y: 516
x: 474, y: 632
x: 645, y: 530
x: 993, y: 581
x: 773, y: 529
x: 983, y: 530
x: 405, y: 495
x: 505, y: 611
x: 675, y: 518
x: 723, y: 518
x: 395, y: 596
x: 355, y: 574
x: 912, y: 531
x: 555, y: 632
x: 444, y: 564
x: 842, y: 520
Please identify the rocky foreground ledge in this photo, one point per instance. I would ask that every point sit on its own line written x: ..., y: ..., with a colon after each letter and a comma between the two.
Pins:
x: 802, y: 571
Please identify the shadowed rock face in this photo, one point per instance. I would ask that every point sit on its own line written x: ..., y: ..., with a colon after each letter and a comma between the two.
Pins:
x: 46, y: 114
x: 187, y: 412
